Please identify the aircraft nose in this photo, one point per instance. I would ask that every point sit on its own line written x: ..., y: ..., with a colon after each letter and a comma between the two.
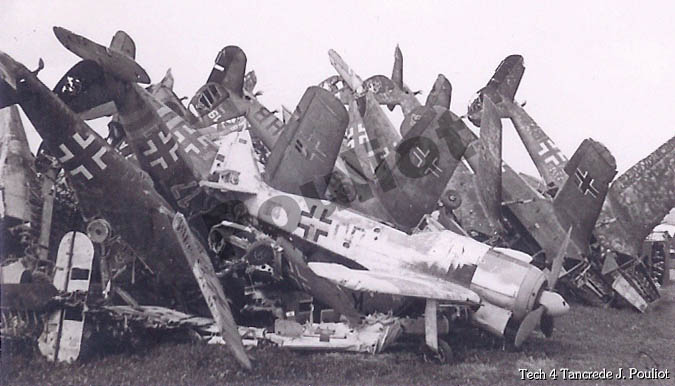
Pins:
x: 554, y: 303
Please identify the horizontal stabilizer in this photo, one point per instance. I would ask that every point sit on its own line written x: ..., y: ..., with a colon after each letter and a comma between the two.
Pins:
x: 408, y: 284
x: 112, y: 61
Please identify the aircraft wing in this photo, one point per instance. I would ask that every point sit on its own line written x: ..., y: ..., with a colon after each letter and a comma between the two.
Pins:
x: 637, y: 201
x: 404, y: 284
x: 305, y: 153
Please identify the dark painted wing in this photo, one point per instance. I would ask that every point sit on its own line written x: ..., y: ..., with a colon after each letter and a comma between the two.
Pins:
x: 637, y: 201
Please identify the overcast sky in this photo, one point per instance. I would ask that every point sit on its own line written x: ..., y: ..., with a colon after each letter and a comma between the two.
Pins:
x: 600, y: 69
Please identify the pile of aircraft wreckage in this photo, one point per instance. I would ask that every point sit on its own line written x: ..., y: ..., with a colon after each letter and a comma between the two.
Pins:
x: 327, y: 229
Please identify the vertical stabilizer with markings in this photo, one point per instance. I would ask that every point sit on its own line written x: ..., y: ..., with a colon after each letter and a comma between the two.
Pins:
x: 61, y: 339
x: 501, y: 88
x: 304, y: 156
x: 578, y: 203
x: 229, y: 69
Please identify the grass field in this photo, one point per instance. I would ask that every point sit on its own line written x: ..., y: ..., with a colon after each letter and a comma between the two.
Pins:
x: 586, y: 339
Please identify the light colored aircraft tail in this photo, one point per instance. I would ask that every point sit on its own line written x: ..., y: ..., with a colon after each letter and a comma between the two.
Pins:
x: 62, y: 337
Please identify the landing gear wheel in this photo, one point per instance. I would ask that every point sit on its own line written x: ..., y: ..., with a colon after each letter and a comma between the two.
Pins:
x: 443, y: 356
x: 445, y: 353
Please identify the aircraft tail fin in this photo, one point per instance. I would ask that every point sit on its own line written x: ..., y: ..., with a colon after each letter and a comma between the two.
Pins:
x: 305, y: 153
x: 8, y: 91
x: 489, y: 172
x: 507, y: 77
x: 397, y: 72
x: 441, y: 93
x: 578, y: 203
x: 229, y: 69
x: 123, y: 43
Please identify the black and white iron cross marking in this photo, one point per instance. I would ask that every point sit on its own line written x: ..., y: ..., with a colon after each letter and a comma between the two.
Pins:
x: 585, y: 183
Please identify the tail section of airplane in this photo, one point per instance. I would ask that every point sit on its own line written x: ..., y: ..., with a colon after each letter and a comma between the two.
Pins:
x: 117, y: 63
x: 229, y: 69
x: 637, y: 201
x: 425, y: 160
x: 304, y: 155
x: 501, y: 87
x: 441, y: 93
x: 165, y: 146
x: 85, y: 90
x: 578, y: 203
x: 489, y: 173
x: 397, y: 71
x: 123, y: 43
x: 507, y: 77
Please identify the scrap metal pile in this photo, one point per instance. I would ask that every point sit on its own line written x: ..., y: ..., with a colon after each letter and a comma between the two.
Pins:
x: 327, y: 229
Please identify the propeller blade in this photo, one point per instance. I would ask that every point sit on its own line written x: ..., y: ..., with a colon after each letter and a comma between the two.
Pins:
x: 556, y: 266
x: 528, y: 325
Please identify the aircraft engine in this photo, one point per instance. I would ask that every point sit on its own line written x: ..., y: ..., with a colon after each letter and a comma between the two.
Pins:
x: 517, y: 292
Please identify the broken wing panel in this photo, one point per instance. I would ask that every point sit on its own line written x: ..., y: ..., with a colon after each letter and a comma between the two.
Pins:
x: 405, y: 284
x: 211, y: 288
